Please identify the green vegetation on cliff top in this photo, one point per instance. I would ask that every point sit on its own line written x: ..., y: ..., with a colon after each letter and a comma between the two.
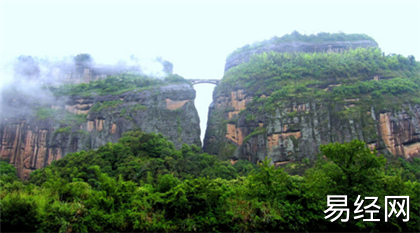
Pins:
x: 143, y: 183
x: 359, y: 73
x: 297, y: 37
x: 115, y: 85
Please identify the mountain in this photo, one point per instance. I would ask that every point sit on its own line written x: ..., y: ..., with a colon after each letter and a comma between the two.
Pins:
x: 271, y: 108
x: 89, y: 108
x: 284, y: 97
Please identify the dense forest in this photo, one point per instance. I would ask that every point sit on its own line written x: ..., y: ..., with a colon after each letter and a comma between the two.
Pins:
x: 142, y: 183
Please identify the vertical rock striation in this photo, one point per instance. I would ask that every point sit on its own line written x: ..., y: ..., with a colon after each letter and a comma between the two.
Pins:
x: 295, y: 131
x: 31, y: 143
x: 253, y: 117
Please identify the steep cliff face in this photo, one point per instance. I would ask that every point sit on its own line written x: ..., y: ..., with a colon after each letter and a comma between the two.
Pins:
x: 285, y: 105
x: 295, y: 130
x: 33, y: 134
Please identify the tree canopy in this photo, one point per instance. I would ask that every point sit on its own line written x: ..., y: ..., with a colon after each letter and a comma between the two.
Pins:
x: 142, y: 183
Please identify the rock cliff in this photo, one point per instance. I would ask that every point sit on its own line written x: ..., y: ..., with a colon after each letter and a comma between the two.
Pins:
x: 296, y: 130
x: 34, y: 133
x: 285, y: 105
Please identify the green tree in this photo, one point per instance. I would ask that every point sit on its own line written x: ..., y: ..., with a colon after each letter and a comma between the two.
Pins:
x: 8, y: 172
x: 360, y: 168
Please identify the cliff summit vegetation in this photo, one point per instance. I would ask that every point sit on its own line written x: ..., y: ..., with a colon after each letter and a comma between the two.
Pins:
x: 295, y: 36
x: 308, y: 71
x: 115, y: 84
x: 350, y: 74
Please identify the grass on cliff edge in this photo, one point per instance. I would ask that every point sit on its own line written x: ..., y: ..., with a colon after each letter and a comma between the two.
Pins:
x: 115, y: 85
x: 297, y: 37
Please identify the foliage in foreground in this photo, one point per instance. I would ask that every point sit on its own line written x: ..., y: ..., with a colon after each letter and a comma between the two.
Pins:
x: 143, y: 183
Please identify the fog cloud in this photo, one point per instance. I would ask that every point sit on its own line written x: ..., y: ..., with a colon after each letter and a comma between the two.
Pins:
x: 25, y: 77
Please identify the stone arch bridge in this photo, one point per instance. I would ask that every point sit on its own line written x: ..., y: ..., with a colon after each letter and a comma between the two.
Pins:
x: 198, y: 81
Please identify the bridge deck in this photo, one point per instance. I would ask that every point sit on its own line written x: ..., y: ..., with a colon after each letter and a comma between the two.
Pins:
x: 211, y: 81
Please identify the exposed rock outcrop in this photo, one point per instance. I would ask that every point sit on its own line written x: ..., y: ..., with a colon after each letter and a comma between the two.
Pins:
x: 296, y: 131
x: 30, y: 143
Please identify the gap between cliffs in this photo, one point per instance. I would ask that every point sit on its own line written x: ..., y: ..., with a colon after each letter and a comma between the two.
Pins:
x: 203, y: 99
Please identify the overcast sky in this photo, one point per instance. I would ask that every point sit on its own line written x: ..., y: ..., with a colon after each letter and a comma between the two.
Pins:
x: 195, y: 36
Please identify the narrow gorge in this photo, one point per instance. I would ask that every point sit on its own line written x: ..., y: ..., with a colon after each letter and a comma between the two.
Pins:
x: 296, y: 125
x: 279, y: 99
